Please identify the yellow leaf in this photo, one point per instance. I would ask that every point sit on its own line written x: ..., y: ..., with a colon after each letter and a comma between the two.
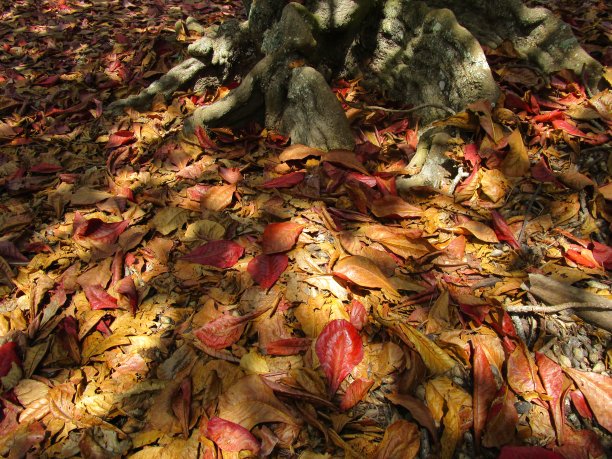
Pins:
x: 436, y: 360
x: 516, y: 163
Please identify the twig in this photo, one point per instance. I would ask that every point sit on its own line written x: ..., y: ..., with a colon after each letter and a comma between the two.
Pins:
x: 557, y: 308
x: 461, y: 174
x: 399, y: 110
x: 529, y: 206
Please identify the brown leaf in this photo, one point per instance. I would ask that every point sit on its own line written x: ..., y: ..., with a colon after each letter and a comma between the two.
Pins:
x: 401, y: 441
x: 362, y: 272
x: 344, y: 158
x: 218, y: 198
x: 390, y: 206
x: 516, y: 163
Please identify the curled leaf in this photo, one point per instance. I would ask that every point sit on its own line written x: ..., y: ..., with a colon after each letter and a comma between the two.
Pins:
x: 355, y: 392
x: 339, y: 349
x: 288, y: 346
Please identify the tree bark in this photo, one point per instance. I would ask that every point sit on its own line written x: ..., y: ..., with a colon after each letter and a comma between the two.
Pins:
x: 413, y: 52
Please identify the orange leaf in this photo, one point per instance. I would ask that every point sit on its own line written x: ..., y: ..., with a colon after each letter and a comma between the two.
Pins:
x: 485, y: 389
x: 502, y: 419
x: 230, y: 436
x: 355, y: 393
x: 394, y: 207
x: 280, y: 237
x: 298, y: 151
x: 598, y: 391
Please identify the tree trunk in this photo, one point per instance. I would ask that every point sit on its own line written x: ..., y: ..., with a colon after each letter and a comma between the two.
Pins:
x: 425, y: 54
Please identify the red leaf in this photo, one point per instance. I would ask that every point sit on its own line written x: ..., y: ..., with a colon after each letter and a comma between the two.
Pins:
x: 339, y: 349
x: 95, y: 229
x: 602, y: 254
x: 8, y: 355
x: 357, y: 314
x: 266, y: 269
x: 220, y: 254
x: 288, y: 346
x: 69, y: 337
x: 548, y: 116
x: 581, y: 405
x: 502, y: 419
x: 502, y: 230
x: 99, y: 298
x: 542, y: 172
x: 45, y: 168
x: 280, y: 237
x: 485, y: 389
x: 119, y: 138
x: 285, y: 181
x: 583, y: 257
x: 527, y: 452
x: 597, y: 389
x: 470, y: 153
x: 355, y: 392
x: 567, y: 127
x: 127, y: 288
x: 204, y: 140
x: 230, y: 436
x: 552, y: 379
x: 222, y: 331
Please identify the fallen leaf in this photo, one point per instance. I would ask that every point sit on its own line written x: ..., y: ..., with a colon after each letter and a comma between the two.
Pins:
x: 266, y: 269
x: 218, y: 198
x: 503, y: 231
x: 285, y: 181
x: 363, y: 272
x: 230, y: 436
x: 502, y: 419
x: 355, y: 392
x: 597, y: 389
x: 288, y: 346
x: 390, y: 206
x: 552, y: 379
x: 339, y: 349
x: 344, y: 158
x: 527, y: 452
x: 516, y: 163
x: 221, y: 254
x: 280, y: 237
x: 400, y: 441
x: 99, y: 298
x: 485, y: 389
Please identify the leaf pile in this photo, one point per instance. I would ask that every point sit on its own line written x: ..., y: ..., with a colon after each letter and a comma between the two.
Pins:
x: 228, y: 295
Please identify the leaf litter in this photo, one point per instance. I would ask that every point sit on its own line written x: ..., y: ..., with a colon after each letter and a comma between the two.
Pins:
x: 228, y: 294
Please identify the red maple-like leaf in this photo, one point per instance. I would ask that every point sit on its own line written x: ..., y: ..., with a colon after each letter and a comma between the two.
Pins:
x: 288, y: 346
x: 280, y: 237
x: 266, y: 269
x: 339, y: 349
x: 230, y: 436
x: 285, y: 181
x: 99, y: 298
x: 220, y: 254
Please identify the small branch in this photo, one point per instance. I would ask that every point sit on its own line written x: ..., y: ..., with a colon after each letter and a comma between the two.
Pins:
x: 539, y: 309
x: 399, y: 110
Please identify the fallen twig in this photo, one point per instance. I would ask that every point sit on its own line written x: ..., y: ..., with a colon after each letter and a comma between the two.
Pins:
x: 399, y: 110
x: 538, y: 308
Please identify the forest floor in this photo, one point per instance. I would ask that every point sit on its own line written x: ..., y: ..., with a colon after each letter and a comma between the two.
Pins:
x: 164, y: 295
